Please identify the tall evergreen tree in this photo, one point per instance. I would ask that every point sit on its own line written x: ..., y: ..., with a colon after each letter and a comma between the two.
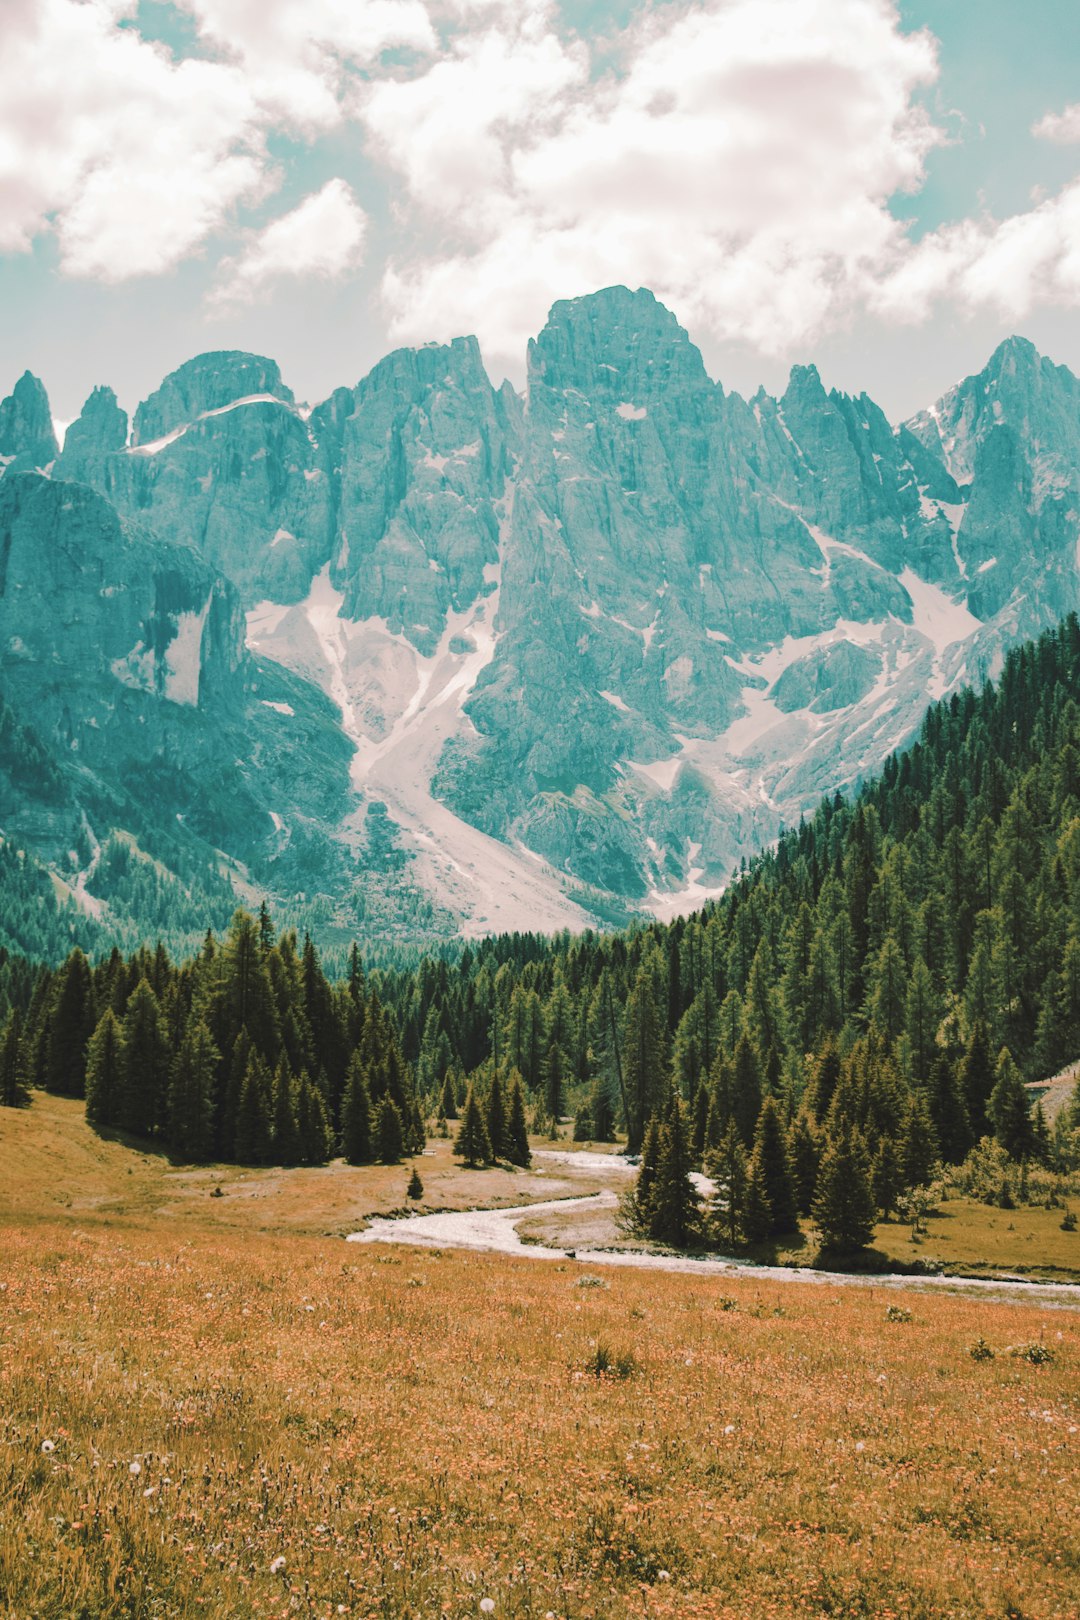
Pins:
x: 191, y: 1093
x: 284, y: 1125
x: 495, y: 1117
x: 147, y: 1063
x: 674, y: 1200
x: 1009, y: 1109
x: 254, y: 1143
x: 727, y: 1205
x: 844, y: 1210
x: 770, y: 1160
x: 518, y: 1151
x: 473, y: 1144
x: 388, y: 1131
x: 70, y: 1026
x: 357, y: 1141
x: 14, y: 1092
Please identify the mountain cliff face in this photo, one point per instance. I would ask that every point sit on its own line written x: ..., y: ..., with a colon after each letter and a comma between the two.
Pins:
x: 581, y: 649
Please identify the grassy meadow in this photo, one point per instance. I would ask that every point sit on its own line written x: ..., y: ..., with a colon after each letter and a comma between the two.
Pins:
x: 210, y: 1406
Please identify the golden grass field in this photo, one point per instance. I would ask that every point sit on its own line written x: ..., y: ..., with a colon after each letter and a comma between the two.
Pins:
x: 193, y: 1389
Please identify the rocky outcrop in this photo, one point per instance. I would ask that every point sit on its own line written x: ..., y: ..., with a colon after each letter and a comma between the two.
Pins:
x: 27, y: 436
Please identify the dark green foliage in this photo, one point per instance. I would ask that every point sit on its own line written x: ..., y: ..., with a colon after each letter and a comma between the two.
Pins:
x: 447, y: 1099
x: 473, y: 1144
x: 518, y: 1150
x: 495, y: 1118
x: 70, y: 1026
x: 1009, y: 1109
x: 844, y: 1210
x: 105, y: 1070
x: 147, y: 1064
x: 387, y: 1131
x: 673, y: 1201
x: 728, y: 1169
x: 285, y: 1127
x: 771, y: 1170
x: 14, y: 1092
x: 253, y: 1141
x: 804, y: 1151
x: 357, y: 1142
x: 415, y: 1189
x: 191, y: 1093
x: 918, y: 1143
x: 313, y: 1126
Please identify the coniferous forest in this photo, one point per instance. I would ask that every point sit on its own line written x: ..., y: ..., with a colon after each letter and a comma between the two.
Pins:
x: 863, y: 1006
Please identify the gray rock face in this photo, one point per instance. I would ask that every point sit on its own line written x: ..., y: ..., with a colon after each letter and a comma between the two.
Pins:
x: 127, y: 655
x: 27, y: 438
x: 587, y: 647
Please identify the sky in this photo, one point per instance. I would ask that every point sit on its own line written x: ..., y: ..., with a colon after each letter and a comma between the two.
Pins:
x: 886, y: 190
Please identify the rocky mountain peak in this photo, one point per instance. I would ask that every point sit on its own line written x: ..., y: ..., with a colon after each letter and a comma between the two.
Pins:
x: 100, y: 428
x: 209, y: 382
x: 27, y: 437
x: 615, y: 341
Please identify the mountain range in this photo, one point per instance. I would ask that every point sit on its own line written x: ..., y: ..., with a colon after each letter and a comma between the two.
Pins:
x: 436, y: 657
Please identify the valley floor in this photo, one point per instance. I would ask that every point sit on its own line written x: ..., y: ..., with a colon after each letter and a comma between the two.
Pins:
x: 209, y: 1408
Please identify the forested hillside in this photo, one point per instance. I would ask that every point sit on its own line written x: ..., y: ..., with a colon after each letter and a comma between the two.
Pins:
x: 876, y: 988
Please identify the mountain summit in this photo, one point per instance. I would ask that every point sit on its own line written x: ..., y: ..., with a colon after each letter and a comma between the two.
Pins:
x: 566, y: 655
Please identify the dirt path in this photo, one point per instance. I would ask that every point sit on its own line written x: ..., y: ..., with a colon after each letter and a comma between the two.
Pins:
x: 495, y: 1231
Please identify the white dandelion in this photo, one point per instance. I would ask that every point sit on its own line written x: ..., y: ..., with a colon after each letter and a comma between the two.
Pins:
x: 277, y: 1565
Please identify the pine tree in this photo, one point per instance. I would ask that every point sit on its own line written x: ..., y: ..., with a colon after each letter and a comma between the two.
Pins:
x: 191, y: 1093
x: 14, y: 1092
x: 918, y: 1143
x: 286, y: 1131
x: 70, y: 1026
x: 313, y: 1123
x: 746, y: 1088
x: 518, y: 1151
x: 583, y: 1131
x: 1009, y: 1109
x: 495, y: 1118
x: 757, y: 1216
x: 771, y: 1162
x: 674, y: 1200
x: 844, y: 1210
x: 885, y: 1176
x: 147, y: 1063
x: 356, y: 1133
x: 415, y: 1189
x: 642, y: 1058
x: 105, y: 1070
x: 253, y: 1142
x: 976, y: 1077
x: 473, y: 1144
x: 447, y: 1097
x: 642, y: 1197
x: 804, y: 1151
x: 388, y: 1131
x: 728, y: 1169
x: 948, y: 1110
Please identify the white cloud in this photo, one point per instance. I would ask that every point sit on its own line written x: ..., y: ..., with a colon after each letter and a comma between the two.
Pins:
x: 1062, y: 127
x: 133, y: 159
x: 322, y: 237
x: 739, y: 161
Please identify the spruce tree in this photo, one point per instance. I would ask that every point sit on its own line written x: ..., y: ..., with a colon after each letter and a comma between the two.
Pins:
x: 518, y: 1151
x: 728, y: 1169
x: 105, y: 1070
x: 70, y: 1027
x: 674, y: 1201
x: 313, y: 1122
x: 885, y: 1176
x: 976, y: 1077
x: 918, y: 1143
x: 804, y: 1151
x: 844, y: 1210
x: 1009, y: 1109
x: 642, y: 1059
x: 285, y: 1127
x: 757, y: 1216
x: 191, y: 1094
x: 415, y: 1189
x: 642, y: 1197
x: 357, y: 1143
x: 773, y: 1163
x: 388, y: 1131
x: 147, y: 1063
x: 253, y: 1141
x: 948, y: 1110
x: 473, y: 1144
x: 746, y: 1088
x: 495, y: 1118
x: 14, y: 1092
x: 447, y: 1097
